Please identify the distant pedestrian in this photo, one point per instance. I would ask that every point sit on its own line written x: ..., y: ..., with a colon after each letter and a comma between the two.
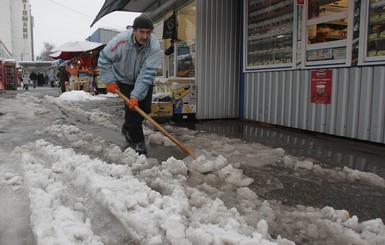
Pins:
x: 33, y: 78
x: 40, y: 79
x: 25, y: 80
x: 52, y: 78
x: 46, y: 80
x: 64, y: 76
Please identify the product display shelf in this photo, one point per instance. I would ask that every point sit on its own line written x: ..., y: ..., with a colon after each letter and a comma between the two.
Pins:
x: 255, y: 5
x: 269, y: 33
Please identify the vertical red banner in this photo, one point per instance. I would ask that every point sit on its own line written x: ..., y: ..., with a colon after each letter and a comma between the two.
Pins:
x: 321, y: 86
x: 313, y: 9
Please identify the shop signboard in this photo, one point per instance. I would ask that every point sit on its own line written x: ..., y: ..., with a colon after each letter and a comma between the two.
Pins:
x: 321, y: 86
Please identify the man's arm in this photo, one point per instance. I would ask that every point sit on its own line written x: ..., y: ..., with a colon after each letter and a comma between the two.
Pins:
x: 105, y: 67
x: 109, y: 54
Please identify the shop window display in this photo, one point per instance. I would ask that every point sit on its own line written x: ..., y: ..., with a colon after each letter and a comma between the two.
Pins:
x: 328, y: 32
x: 270, y: 33
x: 182, y: 45
x: 185, y: 65
x: 313, y: 34
x: 376, y: 30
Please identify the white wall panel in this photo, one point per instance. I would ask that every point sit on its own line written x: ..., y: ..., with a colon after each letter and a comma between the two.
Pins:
x: 357, y: 109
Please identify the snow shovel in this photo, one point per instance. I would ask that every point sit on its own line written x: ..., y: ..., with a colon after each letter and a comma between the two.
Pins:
x: 184, y: 148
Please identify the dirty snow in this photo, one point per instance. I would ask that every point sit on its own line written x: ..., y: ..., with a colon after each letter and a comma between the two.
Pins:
x: 83, y: 189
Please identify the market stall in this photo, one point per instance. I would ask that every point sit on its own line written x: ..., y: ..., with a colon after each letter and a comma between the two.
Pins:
x: 8, y: 75
x: 81, y: 61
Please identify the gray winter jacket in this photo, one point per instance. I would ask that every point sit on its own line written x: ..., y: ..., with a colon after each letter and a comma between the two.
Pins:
x: 122, y: 61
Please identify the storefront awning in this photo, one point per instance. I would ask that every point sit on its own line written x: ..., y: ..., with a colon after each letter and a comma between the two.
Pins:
x: 128, y: 5
x: 154, y: 8
x: 70, y: 50
x: 64, y: 55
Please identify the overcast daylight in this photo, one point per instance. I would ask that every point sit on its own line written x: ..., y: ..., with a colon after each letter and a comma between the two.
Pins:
x: 192, y: 122
x: 58, y: 22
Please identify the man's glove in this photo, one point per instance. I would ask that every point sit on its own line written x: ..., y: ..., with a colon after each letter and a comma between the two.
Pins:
x: 133, y: 103
x: 112, y: 87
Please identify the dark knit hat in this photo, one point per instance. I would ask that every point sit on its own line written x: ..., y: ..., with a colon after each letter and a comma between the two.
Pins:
x: 143, y: 22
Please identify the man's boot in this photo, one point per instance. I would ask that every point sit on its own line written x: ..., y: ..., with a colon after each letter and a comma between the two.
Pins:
x: 140, y: 148
x: 127, y: 135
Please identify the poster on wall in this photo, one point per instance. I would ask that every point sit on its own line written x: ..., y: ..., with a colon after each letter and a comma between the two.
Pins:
x: 321, y: 86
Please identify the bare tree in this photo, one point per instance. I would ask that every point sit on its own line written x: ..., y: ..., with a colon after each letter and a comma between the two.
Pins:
x: 46, y: 51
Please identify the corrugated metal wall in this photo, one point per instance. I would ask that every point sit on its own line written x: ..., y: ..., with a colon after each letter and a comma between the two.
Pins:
x: 357, y: 109
x: 218, y: 61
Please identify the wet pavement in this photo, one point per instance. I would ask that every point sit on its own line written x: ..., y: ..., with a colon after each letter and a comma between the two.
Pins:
x: 325, y: 150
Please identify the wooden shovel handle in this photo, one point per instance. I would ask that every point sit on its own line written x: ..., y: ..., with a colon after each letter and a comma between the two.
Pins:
x: 184, y: 148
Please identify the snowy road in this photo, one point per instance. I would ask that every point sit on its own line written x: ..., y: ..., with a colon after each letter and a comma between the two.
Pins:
x: 67, y: 177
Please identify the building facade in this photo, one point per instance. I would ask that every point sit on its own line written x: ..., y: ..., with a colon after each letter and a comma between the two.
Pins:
x: 16, y: 35
x: 312, y: 65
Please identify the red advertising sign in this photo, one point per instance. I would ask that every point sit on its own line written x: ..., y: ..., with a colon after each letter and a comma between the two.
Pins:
x: 321, y: 86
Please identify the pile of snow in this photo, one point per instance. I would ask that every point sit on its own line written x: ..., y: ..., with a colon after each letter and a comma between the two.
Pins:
x: 155, y: 208
x: 79, y: 95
